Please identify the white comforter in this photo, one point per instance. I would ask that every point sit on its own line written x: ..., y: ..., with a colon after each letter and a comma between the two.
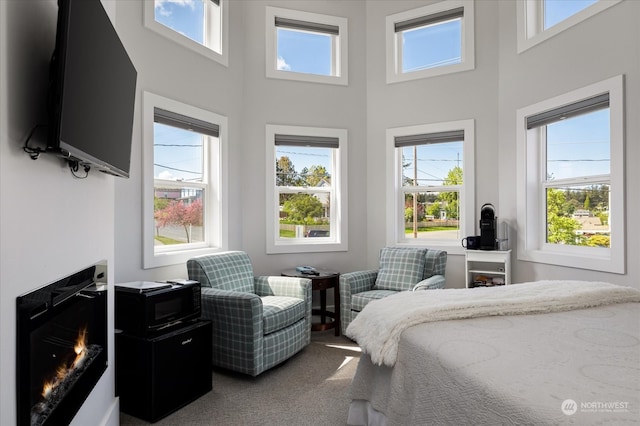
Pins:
x: 378, y: 327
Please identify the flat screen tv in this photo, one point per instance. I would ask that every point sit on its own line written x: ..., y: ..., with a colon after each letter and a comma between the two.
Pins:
x: 92, y: 90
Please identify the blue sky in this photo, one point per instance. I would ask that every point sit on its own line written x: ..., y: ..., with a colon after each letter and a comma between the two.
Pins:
x: 305, y: 52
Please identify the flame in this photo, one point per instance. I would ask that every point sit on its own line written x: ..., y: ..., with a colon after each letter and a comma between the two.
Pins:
x: 80, y: 349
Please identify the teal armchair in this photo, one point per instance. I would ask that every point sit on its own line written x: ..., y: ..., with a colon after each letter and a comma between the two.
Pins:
x: 400, y: 269
x: 258, y: 322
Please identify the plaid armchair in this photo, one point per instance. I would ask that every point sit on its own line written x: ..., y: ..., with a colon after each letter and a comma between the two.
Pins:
x: 258, y: 322
x: 400, y: 269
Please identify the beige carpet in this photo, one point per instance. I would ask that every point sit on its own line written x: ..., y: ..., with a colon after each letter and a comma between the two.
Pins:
x: 312, y: 388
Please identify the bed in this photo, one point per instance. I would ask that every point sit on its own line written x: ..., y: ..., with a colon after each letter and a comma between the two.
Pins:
x: 547, y: 358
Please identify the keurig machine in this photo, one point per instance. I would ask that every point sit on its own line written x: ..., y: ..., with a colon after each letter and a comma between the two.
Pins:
x: 488, y: 224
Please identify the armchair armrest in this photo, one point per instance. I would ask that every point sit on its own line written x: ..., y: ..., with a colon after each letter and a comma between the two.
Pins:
x: 433, y: 282
x: 283, y: 286
x: 352, y: 283
x: 232, y: 312
x: 357, y: 282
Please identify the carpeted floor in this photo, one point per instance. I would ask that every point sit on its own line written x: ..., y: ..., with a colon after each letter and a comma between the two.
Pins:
x: 312, y: 388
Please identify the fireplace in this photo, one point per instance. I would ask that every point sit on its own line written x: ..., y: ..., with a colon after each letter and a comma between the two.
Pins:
x: 61, y: 346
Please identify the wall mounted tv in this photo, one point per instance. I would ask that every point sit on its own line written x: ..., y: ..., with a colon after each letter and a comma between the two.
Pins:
x: 92, y: 90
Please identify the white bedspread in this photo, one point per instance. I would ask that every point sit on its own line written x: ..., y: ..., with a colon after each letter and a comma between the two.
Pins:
x: 378, y: 327
x: 578, y: 367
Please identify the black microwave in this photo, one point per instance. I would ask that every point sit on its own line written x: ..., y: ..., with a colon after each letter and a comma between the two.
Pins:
x: 144, y: 308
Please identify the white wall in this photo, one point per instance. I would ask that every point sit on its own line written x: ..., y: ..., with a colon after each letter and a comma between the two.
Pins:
x: 464, y: 95
x: 603, y: 46
x: 501, y: 82
x: 242, y: 93
x: 51, y: 224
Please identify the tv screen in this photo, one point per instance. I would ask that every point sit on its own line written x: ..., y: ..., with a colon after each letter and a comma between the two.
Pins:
x: 93, y: 88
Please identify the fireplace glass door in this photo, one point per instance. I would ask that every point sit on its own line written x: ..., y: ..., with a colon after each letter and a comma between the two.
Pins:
x: 62, y: 347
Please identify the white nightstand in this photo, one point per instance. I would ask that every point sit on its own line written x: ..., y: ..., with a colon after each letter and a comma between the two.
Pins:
x: 494, y: 265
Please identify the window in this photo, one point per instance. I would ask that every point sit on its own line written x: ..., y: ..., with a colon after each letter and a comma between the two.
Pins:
x: 184, y: 204
x: 306, y: 189
x: 429, y: 41
x: 200, y: 25
x: 306, y: 46
x: 571, y: 179
x: 431, y: 184
x: 539, y: 20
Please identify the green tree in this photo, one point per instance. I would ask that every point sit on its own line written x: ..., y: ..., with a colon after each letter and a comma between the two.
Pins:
x: 561, y: 227
x: 160, y: 203
x: 434, y: 209
x: 599, y: 241
x: 587, y: 202
x: 450, y: 200
x: 286, y: 173
x: 315, y: 174
x: 303, y: 208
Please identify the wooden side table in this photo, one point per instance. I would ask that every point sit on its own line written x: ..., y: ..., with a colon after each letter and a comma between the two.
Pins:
x: 321, y: 282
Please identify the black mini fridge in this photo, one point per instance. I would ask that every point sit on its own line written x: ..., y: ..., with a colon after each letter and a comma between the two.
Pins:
x: 156, y: 376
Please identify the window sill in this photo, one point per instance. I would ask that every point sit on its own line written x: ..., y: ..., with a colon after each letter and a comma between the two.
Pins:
x: 604, y: 263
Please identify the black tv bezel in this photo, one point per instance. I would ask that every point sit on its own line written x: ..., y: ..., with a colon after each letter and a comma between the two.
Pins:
x: 72, y: 154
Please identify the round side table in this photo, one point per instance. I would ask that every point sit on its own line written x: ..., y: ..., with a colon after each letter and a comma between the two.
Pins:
x: 321, y: 282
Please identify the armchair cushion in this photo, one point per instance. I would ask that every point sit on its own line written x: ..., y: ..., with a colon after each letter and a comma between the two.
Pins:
x: 280, y: 312
x: 400, y: 268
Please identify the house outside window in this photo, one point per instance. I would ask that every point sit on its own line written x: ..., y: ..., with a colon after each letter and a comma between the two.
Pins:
x: 184, y: 214
x: 431, y: 184
x: 306, y: 189
x: 306, y: 46
x: 571, y: 182
x: 200, y: 25
x: 539, y: 20
x: 432, y: 40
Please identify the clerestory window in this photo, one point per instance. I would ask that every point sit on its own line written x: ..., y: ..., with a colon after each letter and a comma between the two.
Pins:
x: 200, y: 25
x: 306, y: 46
x: 539, y: 20
x: 428, y: 41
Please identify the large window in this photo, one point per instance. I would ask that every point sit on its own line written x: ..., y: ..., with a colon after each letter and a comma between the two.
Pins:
x: 571, y: 192
x: 539, y: 20
x: 431, y: 195
x: 183, y: 205
x: 432, y: 40
x: 200, y: 25
x: 306, y: 189
x: 306, y: 46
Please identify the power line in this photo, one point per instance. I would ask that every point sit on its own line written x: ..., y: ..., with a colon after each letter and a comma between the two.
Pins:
x: 177, y: 170
x: 177, y: 145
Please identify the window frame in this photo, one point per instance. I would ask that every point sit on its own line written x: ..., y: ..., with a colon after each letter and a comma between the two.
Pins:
x: 216, y: 200
x: 339, y: 46
x: 338, y: 240
x: 531, y: 189
x: 530, y: 21
x: 221, y: 57
x: 394, y: 48
x: 395, y: 191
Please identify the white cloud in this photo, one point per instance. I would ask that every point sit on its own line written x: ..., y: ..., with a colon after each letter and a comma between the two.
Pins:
x: 282, y: 65
x: 167, y: 175
x: 159, y: 5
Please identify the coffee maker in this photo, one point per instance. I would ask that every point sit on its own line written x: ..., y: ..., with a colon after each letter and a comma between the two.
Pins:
x: 488, y: 225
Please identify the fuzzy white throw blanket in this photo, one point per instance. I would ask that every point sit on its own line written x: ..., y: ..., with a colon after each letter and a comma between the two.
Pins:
x: 378, y: 327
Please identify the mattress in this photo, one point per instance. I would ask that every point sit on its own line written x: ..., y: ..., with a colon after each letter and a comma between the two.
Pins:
x: 576, y: 367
